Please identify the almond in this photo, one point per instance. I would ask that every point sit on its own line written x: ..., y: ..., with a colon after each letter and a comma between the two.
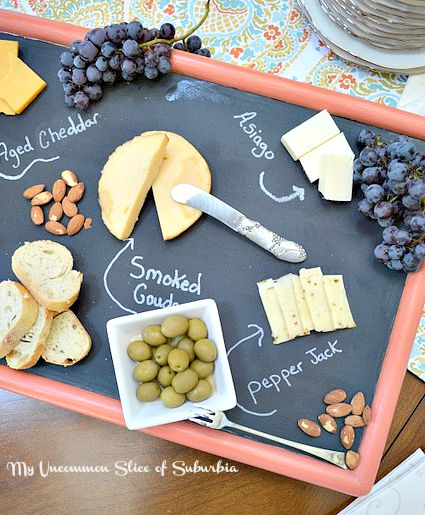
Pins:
x: 37, y: 215
x: 309, y: 427
x: 59, y: 190
x: 358, y: 403
x: 75, y: 225
x: 335, y: 396
x: 352, y: 459
x: 367, y: 415
x: 87, y: 223
x: 69, y: 178
x: 32, y: 191
x: 41, y: 198
x: 75, y: 193
x: 354, y: 420
x: 328, y: 423
x: 69, y: 208
x: 56, y: 212
x: 340, y: 409
x: 347, y: 436
x: 55, y: 228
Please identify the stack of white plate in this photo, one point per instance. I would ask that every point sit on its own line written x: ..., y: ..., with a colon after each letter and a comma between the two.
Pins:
x: 387, y: 35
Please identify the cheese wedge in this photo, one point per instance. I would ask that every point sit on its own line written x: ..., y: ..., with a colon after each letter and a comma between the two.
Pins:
x: 273, y: 312
x: 338, y: 302
x: 20, y: 85
x: 336, y: 178
x: 303, y: 310
x: 126, y: 179
x: 182, y: 164
x: 314, y: 292
x: 288, y: 304
x: 6, y: 48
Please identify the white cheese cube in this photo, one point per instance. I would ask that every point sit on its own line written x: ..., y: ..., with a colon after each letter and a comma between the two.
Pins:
x: 338, y: 302
x: 310, y: 134
x: 336, y: 178
x: 273, y: 312
x: 312, y: 163
x: 303, y: 310
x: 288, y: 304
x: 314, y: 292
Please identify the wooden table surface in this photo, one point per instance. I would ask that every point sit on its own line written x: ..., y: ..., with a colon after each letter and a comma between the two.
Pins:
x: 32, y: 431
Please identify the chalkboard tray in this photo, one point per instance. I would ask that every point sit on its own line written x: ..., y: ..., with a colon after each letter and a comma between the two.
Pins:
x: 203, y: 101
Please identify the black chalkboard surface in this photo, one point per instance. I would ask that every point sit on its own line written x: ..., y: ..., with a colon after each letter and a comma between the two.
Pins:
x: 276, y: 385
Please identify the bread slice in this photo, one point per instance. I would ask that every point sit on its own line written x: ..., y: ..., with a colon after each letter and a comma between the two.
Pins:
x: 31, y: 345
x: 18, y: 312
x: 45, y: 268
x: 68, y: 342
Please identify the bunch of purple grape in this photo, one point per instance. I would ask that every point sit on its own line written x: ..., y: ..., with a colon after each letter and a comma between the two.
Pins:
x: 392, y: 179
x: 118, y: 52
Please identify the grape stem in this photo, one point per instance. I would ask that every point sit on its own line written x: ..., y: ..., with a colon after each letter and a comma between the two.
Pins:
x: 186, y: 35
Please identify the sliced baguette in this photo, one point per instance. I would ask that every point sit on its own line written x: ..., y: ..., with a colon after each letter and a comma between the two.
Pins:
x: 31, y: 345
x: 18, y: 312
x: 68, y: 342
x: 45, y: 268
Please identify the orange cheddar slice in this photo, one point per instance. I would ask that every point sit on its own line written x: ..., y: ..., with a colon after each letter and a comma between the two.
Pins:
x: 6, y: 48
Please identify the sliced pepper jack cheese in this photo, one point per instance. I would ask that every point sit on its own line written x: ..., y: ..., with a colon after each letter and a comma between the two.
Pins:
x: 126, y: 179
x: 338, y: 302
x: 20, y: 85
x: 273, y: 312
x: 288, y: 304
x: 314, y: 292
x: 303, y: 310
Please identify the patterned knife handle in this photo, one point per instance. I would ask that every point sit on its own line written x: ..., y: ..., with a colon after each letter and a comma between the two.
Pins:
x: 283, y: 249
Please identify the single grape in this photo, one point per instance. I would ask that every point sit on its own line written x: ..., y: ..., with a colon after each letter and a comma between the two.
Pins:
x: 419, y: 251
x: 128, y: 66
x: 153, y: 34
x: 67, y: 59
x: 397, y: 208
x: 88, y: 51
x: 365, y: 138
x: 402, y: 237
x: 130, y: 48
x: 397, y: 170
x: 93, y: 91
x: 151, y: 58
x: 410, y: 262
x: 398, y: 188
x: 81, y: 100
x: 410, y: 203
x: 381, y: 150
x: 357, y: 165
x: 145, y: 36
x: 193, y: 43
x: 140, y: 65
x: 69, y: 100
x: 386, y: 222
x: 392, y: 149
x: 364, y: 187
x: 93, y: 74
x: 381, y: 252
x: 101, y: 63
x: 408, y: 215
x: 179, y: 45
x: 69, y: 88
x: 371, y: 175
x: 365, y: 208
x: 374, y: 193
x: 162, y: 49
x: 357, y: 177
x: 389, y: 234
x: 109, y: 77
x: 116, y: 61
x: 205, y: 52
x: 108, y: 49
x: 135, y: 31
x: 75, y: 45
x: 387, y: 187
x: 116, y: 34
x: 417, y: 223
x: 167, y: 31
x: 79, y: 62
x: 368, y: 157
x: 79, y: 77
x: 164, y: 65
x: 97, y: 36
x: 419, y: 161
x: 406, y: 150
x: 383, y: 209
x: 394, y: 264
x: 151, y: 72
x: 416, y: 188
x: 64, y: 76
x: 396, y: 251
x: 128, y: 77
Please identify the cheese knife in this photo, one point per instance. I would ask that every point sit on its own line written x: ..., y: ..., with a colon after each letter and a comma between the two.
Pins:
x: 281, y: 248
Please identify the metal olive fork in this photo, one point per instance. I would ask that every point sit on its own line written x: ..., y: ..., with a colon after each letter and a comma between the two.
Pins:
x: 216, y: 419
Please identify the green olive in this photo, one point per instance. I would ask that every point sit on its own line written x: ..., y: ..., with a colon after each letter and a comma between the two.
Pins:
x: 201, y: 391
x: 146, y: 371
x: 184, y: 381
x: 197, y: 329
x: 152, y: 335
x: 187, y: 344
x: 175, y: 325
x: 139, y: 350
x: 148, y: 392
x: 205, y: 350
x: 178, y: 359
x: 161, y: 354
x: 171, y: 398
x: 202, y: 369
x: 165, y: 376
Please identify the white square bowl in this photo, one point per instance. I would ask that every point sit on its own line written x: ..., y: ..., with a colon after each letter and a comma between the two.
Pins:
x: 139, y: 414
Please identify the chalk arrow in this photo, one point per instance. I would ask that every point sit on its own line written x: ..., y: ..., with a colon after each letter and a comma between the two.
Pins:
x: 128, y: 245
x: 25, y: 170
x: 259, y: 333
x: 297, y: 192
